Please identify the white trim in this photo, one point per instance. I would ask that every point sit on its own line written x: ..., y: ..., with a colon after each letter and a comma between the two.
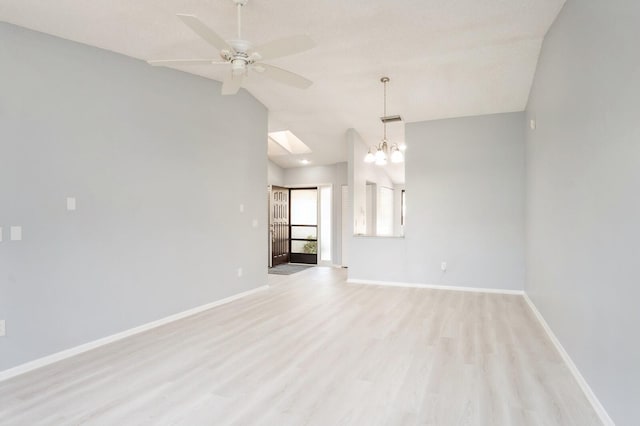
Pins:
x: 435, y: 286
x: 68, y: 353
x: 588, y: 392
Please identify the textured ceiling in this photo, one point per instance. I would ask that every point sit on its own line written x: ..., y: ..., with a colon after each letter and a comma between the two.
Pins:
x: 446, y: 58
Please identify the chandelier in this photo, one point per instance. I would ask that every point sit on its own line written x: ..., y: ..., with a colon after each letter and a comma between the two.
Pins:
x: 381, y: 153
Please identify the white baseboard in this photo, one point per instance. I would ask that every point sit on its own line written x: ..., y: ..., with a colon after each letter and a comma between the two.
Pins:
x: 588, y: 392
x: 67, y: 353
x: 435, y: 286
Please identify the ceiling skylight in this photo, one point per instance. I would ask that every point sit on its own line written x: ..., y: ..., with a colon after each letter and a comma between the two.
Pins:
x: 290, y: 142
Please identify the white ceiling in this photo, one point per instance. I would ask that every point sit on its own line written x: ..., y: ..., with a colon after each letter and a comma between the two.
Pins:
x: 445, y: 58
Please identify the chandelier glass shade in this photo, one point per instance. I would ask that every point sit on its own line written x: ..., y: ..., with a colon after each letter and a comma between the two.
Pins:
x: 396, y: 155
x: 369, y: 158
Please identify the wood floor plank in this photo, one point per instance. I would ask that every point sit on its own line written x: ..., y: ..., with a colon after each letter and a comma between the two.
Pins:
x: 314, y: 350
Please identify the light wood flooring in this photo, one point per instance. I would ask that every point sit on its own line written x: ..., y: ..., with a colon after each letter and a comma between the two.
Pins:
x: 313, y: 350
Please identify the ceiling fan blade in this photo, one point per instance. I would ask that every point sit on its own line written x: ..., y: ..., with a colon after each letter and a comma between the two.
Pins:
x: 283, y: 76
x: 284, y: 47
x: 176, y: 62
x: 204, y: 31
x: 232, y: 84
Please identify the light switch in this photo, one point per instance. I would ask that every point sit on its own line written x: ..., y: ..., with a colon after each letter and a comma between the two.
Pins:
x: 532, y: 124
x: 0, y: 235
x: 241, y: 208
x: 3, y: 329
x: 254, y: 223
x: 16, y: 233
x: 71, y: 204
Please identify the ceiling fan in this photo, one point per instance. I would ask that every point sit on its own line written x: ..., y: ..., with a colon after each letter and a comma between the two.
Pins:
x: 242, y: 57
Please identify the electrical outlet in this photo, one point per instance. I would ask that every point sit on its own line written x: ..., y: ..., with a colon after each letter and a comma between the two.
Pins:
x: 71, y: 204
x: 3, y: 330
x: 239, y: 272
x: 443, y: 266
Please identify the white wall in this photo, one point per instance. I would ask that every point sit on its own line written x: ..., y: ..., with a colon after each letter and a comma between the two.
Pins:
x: 465, y: 206
x: 397, y: 207
x: 275, y: 174
x: 583, y: 203
x: 313, y: 175
x: 157, y: 230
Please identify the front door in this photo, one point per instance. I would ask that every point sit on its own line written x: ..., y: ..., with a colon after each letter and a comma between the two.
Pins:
x: 279, y: 225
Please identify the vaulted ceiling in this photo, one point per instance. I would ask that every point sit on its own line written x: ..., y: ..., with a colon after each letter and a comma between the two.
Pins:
x: 445, y: 58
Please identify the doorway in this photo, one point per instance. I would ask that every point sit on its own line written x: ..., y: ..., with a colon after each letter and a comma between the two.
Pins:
x: 303, y: 225
x: 279, y: 224
x: 346, y: 230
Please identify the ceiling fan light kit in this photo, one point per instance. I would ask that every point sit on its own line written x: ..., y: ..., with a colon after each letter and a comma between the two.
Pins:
x: 381, y: 153
x: 242, y: 57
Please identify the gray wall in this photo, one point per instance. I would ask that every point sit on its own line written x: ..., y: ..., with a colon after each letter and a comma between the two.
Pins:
x: 465, y: 206
x: 158, y: 228
x: 583, y: 196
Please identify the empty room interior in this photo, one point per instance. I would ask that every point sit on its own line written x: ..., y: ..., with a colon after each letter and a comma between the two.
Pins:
x: 253, y: 212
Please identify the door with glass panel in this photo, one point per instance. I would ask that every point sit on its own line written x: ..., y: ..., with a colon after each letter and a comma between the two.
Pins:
x: 279, y: 225
x: 303, y: 204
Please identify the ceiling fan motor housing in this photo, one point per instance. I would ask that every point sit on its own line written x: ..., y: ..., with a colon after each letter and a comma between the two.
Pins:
x: 240, y: 46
